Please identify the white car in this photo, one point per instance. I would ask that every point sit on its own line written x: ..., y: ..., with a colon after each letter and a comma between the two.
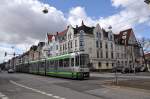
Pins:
x: 10, y: 71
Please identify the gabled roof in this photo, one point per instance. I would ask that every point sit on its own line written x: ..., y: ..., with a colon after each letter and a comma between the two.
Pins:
x: 63, y: 32
x: 147, y: 55
x: 128, y: 34
x: 41, y: 44
x: 49, y: 36
x: 119, y: 37
x: 85, y: 28
x: 34, y: 48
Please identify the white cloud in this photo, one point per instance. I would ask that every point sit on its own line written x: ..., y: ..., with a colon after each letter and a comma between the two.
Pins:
x: 23, y: 23
x: 77, y: 14
x: 132, y: 14
x: 24, y: 18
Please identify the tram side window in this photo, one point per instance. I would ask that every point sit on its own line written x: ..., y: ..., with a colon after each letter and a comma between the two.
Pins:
x: 66, y: 62
x: 42, y: 64
x: 51, y: 64
x: 56, y: 63
x: 72, y: 62
x: 61, y: 63
x: 77, y: 60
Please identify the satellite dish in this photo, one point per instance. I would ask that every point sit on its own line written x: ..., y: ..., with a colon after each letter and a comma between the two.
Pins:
x: 45, y: 10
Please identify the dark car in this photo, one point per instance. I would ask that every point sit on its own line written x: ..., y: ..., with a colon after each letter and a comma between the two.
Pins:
x: 125, y: 70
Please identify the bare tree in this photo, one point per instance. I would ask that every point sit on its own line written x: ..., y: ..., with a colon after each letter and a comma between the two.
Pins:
x: 145, y: 45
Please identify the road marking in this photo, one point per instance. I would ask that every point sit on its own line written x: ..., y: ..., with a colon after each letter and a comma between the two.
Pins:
x: 2, y: 96
x: 36, y: 90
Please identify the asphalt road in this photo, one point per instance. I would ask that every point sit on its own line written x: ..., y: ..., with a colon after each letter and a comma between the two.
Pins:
x: 28, y: 86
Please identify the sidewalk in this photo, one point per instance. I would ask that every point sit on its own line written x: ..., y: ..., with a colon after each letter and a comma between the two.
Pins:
x: 142, y: 75
x: 115, y: 92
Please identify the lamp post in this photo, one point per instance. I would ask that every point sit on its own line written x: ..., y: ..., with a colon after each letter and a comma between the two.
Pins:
x: 13, y: 54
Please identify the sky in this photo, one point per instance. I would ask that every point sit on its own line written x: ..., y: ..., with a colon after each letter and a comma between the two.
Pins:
x: 23, y: 23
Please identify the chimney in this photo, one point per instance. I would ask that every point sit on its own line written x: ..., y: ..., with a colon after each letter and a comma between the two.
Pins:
x: 82, y: 23
x: 57, y: 33
x: 76, y: 26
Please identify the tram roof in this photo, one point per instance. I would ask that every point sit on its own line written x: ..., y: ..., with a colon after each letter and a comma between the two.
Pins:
x: 56, y: 57
x: 60, y: 57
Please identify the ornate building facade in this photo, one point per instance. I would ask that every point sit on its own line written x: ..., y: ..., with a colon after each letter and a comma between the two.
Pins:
x: 106, y: 49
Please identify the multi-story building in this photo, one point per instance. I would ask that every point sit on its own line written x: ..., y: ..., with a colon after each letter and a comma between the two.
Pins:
x: 147, y: 59
x: 105, y: 49
x: 128, y: 50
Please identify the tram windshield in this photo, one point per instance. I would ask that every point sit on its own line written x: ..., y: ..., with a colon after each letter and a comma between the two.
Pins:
x: 82, y: 60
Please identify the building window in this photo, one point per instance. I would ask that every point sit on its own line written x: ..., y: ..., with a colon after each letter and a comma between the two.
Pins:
x: 101, y: 54
x: 71, y: 44
x: 99, y: 64
x: 106, y: 54
x: 107, y: 64
x: 56, y: 47
x: 111, y: 46
x: 97, y: 54
x: 106, y: 45
x: 75, y: 43
x: 81, y: 43
x: 66, y: 46
x: 112, y: 55
x: 101, y: 46
x: 98, y: 35
x: 60, y: 48
x: 112, y: 64
x: 97, y: 44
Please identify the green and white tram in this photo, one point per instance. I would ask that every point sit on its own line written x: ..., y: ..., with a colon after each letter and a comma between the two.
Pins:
x: 73, y: 65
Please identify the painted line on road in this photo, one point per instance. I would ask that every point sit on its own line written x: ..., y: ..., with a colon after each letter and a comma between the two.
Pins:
x: 2, y: 96
x: 36, y: 90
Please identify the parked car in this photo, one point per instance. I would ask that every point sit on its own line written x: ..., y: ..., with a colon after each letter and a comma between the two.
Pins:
x: 10, y: 71
x: 0, y: 70
x: 125, y: 70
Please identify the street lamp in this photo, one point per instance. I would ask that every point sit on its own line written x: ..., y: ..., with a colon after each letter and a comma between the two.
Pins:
x: 45, y: 10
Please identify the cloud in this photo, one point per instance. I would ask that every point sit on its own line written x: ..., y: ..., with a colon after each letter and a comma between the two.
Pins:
x: 24, y: 18
x: 132, y: 13
x: 23, y: 23
x: 77, y: 14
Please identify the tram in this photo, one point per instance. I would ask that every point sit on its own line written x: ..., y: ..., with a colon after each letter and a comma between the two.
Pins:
x: 73, y: 65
